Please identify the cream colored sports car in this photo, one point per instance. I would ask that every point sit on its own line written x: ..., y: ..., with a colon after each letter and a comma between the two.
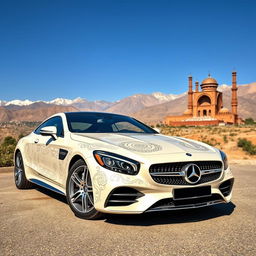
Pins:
x: 109, y: 163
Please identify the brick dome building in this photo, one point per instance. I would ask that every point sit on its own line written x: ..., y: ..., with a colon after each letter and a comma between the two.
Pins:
x: 205, y: 107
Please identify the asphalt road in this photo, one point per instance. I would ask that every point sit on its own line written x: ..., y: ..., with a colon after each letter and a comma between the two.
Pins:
x: 38, y: 222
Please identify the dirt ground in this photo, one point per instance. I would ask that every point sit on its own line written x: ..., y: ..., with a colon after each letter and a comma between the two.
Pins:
x: 39, y: 222
x: 222, y: 137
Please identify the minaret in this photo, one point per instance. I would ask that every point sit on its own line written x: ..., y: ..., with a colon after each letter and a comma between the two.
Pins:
x: 190, y: 94
x: 234, y: 95
x: 197, y: 84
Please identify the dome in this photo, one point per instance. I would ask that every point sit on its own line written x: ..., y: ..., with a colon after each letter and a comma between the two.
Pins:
x: 188, y: 112
x: 209, y: 84
x: 224, y: 111
x: 209, y: 80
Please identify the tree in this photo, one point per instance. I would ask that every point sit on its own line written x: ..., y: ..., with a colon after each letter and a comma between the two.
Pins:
x: 249, y: 121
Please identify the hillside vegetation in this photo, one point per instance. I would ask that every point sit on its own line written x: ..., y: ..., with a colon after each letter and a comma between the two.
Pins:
x: 239, y: 142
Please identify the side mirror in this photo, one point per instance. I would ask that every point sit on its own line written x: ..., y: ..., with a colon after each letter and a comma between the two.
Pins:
x: 157, y: 130
x: 49, y: 131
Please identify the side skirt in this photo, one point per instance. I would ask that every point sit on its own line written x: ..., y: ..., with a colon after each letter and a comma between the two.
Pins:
x: 45, y: 185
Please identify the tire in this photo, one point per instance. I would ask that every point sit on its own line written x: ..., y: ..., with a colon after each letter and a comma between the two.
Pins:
x: 79, y: 192
x: 20, y: 179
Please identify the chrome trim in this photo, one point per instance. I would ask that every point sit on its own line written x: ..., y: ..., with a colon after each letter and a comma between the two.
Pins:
x: 125, y: 194
x: 227, y: 187
x: 204, y: 172
x: 122, y: 201
x: 189, y: 206
x: 182, y: 173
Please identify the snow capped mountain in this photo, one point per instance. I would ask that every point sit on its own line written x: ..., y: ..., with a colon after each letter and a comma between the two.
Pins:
x: 57, y: 101
x: 146, y: 107
x: 165, y: 97
x: 65, y: 102
x: 2, y: 103
x: 83, y: 103
x: 19, y: 102
x: 127, y: 105
x: 224, y: 87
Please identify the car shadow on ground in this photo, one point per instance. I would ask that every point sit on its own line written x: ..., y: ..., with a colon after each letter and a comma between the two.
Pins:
x: 59, y: 197
x: 172, y: 217
x: 158, y: 218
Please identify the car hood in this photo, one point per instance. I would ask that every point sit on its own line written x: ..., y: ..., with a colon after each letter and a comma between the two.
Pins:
x: 152, y: 144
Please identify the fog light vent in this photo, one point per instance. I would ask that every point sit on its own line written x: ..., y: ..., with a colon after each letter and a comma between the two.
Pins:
x: 226, y: 187
x: 123, y: 196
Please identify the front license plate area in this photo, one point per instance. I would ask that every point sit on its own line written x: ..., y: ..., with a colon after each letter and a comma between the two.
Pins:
x: 187, y: 193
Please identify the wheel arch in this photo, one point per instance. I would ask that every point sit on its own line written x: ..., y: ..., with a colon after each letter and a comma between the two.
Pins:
x: 74, y: 159
x: 16, y: 151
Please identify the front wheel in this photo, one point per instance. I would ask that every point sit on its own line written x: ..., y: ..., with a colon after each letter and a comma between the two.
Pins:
x: 80, y: 191
x: 20, y: 179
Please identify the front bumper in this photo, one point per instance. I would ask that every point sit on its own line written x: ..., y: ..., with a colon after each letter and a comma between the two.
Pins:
x: 151, y: 196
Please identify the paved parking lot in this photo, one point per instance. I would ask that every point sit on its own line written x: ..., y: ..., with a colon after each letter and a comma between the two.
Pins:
x: 38, y: 222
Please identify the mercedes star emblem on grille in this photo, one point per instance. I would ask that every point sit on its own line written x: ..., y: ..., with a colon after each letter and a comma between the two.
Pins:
x: 192, y: 173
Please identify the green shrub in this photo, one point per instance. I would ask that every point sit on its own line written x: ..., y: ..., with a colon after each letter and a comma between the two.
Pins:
x: 247, y: 146
x: 6, y: 151
x: 9, y: 140
x: 225, y: 138
x: 249, y: 121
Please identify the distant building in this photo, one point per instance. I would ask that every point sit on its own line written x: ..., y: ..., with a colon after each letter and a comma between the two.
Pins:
x: 206, y: 107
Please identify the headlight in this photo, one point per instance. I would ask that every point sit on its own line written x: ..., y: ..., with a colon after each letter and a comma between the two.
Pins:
x: 116, y: 163
x: 224, y: 159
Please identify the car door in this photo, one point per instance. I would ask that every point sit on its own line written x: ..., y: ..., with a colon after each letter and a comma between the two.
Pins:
x: 49, y: 151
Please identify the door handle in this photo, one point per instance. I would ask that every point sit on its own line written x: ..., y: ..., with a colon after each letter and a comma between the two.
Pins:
x: 36, y: 140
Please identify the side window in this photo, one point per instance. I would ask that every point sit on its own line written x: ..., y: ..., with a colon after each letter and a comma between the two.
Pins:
x: 54, y: 121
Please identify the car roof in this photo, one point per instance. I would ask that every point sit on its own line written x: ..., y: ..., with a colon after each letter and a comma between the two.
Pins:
x: 93, y: 112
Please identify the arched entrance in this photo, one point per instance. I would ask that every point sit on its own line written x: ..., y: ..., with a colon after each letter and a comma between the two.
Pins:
x: 204, y: 101
x: 204, y: 106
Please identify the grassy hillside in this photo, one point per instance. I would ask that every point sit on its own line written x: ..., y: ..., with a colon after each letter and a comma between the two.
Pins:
x: 222, y: 137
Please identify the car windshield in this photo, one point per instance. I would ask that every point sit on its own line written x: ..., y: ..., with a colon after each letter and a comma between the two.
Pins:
x: 87, y: 122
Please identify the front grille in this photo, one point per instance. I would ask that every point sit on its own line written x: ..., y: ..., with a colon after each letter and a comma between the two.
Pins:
x: 173, y: 174
x: 123, y: 196
x: 226, y: 187
x: 171, y: 204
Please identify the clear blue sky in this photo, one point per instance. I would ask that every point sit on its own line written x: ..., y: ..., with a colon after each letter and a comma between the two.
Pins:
x: 112, y: 49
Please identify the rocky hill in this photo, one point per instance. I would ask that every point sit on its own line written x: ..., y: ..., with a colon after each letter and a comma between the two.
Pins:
x: 33, y: 112
x: 246, y: 105
x: 150, y: 108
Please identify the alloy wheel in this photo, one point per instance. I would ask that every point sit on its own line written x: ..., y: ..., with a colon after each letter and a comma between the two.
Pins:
x: 18, y: 169
x: 80, y: 190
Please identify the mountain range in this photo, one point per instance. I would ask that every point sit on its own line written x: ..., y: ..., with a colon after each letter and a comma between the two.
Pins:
x: 150, y: 108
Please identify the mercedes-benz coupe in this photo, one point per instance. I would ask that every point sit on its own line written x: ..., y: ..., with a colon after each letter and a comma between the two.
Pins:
x: 110, y: 163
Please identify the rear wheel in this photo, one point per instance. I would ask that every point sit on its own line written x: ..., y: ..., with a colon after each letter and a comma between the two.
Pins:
x: 80, y: 191
x: 20, y: 179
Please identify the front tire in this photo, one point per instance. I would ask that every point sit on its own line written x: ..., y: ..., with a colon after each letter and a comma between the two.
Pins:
x: 80, y: 192
x: 20, y: 179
